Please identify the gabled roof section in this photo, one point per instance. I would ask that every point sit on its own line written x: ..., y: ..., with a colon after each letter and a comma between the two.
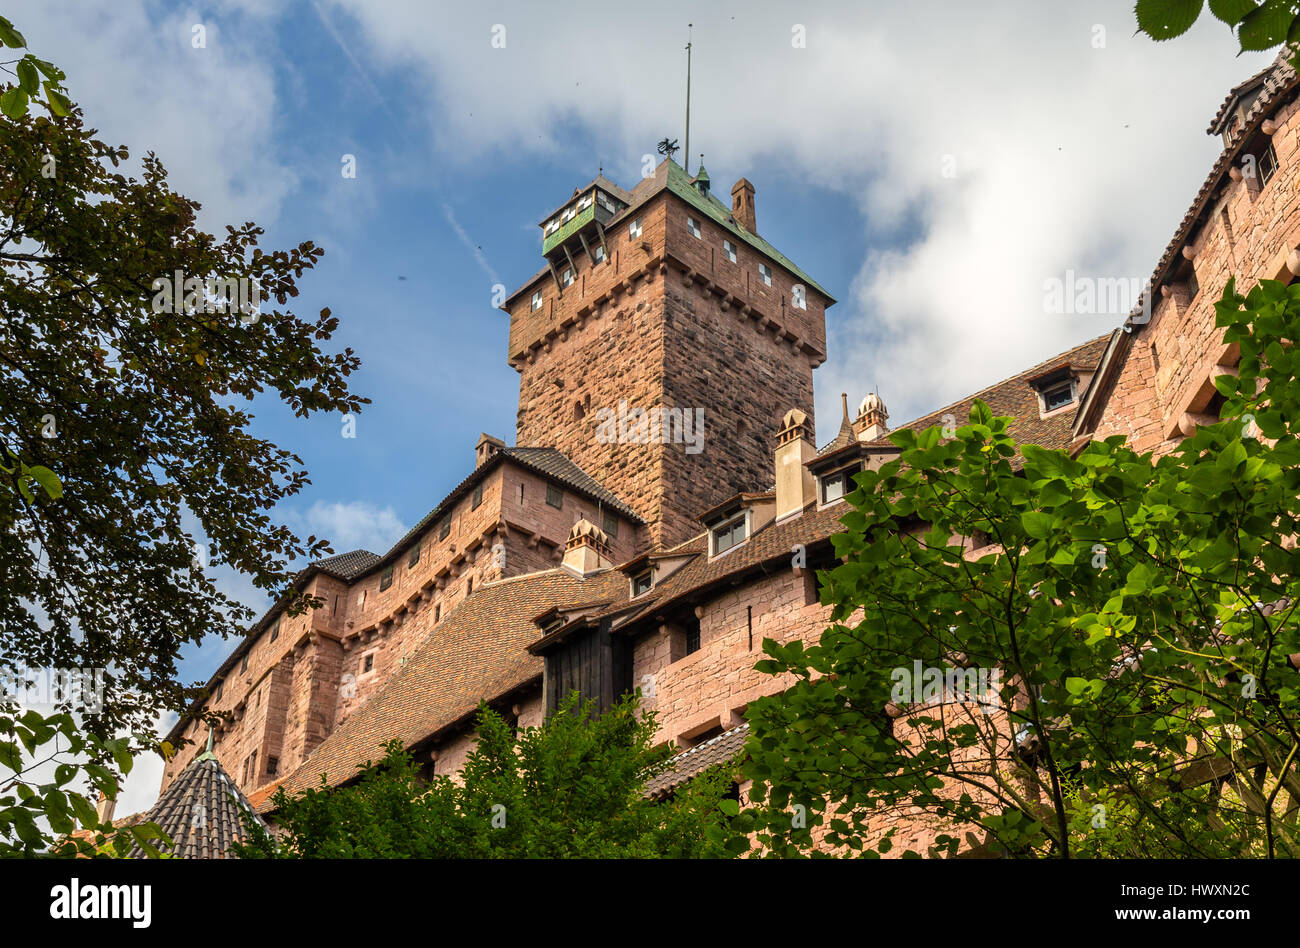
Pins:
x: 348, y: 566
x: 1278, y: 83
x: 478, y: 652
x: 1016, y: 397
x: 687, y: 765
x: 201, y: 811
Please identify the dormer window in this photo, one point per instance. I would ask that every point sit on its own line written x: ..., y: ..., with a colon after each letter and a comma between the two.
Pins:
x: 729, y: 534
x: 729, y: 249
x: 537, y: 301
x: 566, y: 278
x: 836, y: 485
x: 1058, y: 396
x: 693, y: 226
x: 642, y: 583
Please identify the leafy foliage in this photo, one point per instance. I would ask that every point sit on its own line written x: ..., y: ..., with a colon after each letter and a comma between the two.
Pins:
x: 1126, y: 601
x: 119, y: 414
x: 572, y: 787
x: 1259, y: 24
x: 37, y: 818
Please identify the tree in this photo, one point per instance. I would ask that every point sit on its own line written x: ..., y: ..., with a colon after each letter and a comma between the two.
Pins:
x: 132, y: 345
x: 1258, y: 25
x: 572, y: 787
x: 1108, y: 676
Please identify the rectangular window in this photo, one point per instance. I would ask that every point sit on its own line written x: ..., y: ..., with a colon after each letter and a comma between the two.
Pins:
x: 799, y: 296
x: 765, y: 272
x: 836, y: 485
x: 693, y: 226
x: 275, y: 630
x: 1267, y: 164
x: 414, y: 557
x: 692, y: 635
x: 634, y: 228
x: 221, y: 686
x: 1058, y: 397
x: 609, y: 523
x: 243, y: 666
x: 478, y: 498
x: 566, y: 278
x: 386, y: 578
x: 598, y: 252
x: 729, y: 249
x: 729, y: 534
x: 469, y: 587
x: 642, y: 582
x: 368, y: 664
x: 272, y: 765
x: 437, y: 612
x: 444, y: 528
x: 555, y: 496
x: 537, y: 301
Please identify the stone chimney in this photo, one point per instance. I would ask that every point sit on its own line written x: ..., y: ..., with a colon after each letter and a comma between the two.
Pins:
x: 742, y: 205
x: 795, y: 485
x: 486, y: 447
x: 104, y: 809
x: 872, y: 422
x: 587, y: 549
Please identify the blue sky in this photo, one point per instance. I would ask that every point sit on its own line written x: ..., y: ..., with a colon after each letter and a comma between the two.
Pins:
x: 1068, y: 154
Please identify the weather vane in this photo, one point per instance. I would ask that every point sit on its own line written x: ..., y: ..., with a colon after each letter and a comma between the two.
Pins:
x: 668, y: 148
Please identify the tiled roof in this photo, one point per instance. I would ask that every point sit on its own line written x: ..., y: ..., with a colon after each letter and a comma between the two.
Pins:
x: 727, y: 746
x: 1017, y: 398
x: 478, y: 652
x: 347, y: 566
x: 548, y: 462
x: 201, y: 812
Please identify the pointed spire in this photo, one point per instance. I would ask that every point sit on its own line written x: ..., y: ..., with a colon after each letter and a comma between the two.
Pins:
x: 207, y: 754
x: 846, y: 435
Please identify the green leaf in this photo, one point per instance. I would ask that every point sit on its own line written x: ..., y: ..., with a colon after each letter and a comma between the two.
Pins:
x: 1231, y: 11
x: 1038, y: 525
x: 59, y: 103
x: 1267, y: 26
x: 14, y: 103
x: 11, y: 37
x: 28, y: 76
x: 48, y: 480
x: 1165, y: 19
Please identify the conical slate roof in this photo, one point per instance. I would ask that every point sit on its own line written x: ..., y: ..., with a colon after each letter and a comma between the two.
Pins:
x: 201, y: 812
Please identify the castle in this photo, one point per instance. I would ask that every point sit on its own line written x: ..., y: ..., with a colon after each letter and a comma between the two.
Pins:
x: 665, y: 508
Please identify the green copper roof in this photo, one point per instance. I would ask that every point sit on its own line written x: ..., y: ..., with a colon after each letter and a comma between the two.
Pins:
x: 679, y: 182
x: 580, y: 220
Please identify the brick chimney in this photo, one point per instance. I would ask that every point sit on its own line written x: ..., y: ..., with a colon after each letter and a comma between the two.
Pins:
x: 795, y: 485
x: 742, y: 205
x: 486, y: 447
x: 104, y: 809
x: 587, y: 549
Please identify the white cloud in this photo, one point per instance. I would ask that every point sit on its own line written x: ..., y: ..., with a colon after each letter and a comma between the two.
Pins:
x: 348, y: 526
x: 1068, y: 156
x: 207, y: 112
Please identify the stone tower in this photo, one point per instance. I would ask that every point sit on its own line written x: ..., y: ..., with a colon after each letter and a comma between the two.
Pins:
x: 661, y: 342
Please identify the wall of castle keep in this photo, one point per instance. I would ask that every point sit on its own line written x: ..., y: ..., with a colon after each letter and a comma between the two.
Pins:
x: 1166, y: 382
x: 668, y: 322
